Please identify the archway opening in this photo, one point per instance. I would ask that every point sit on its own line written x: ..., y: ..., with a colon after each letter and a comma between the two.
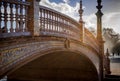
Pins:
x: 57, y: 66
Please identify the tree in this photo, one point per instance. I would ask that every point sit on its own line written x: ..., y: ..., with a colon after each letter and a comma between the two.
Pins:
x: 116, y: 49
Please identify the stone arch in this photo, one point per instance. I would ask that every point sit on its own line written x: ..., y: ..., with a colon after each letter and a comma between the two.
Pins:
x: 57, y: 66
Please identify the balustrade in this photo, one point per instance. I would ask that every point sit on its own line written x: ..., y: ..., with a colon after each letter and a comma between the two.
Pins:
x: 14, y: 19
x: 90, y: 39
x: 13, y: 16
x: 53, y: 23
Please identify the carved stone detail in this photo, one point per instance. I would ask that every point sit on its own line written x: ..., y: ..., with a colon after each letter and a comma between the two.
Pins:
x: 67, y: 43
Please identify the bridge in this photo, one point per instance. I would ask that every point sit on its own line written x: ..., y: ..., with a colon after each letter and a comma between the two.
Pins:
x: 40, y: 44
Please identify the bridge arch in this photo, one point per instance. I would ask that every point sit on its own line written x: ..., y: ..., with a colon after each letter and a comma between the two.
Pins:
x: 59, y: 65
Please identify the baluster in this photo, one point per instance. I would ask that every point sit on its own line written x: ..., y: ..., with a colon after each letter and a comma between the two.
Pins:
x: 5, y: 17
x: 26, y: 17
x: 0, y: 17
x: 62, y: 25
x: 44, y: 21
x: 21, y: 19
x: 70, y: 26
x: 57, y: 23
x: 54, y: 23
x: 40, y: 19
x: 16, y: 29
x: 62, y: 28
x: 11, y: 17
x: 52, y: 20
x: 47, y: 20
x: 67, y: 26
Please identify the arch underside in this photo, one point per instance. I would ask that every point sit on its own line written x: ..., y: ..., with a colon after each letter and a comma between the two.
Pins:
x: 57, y: 66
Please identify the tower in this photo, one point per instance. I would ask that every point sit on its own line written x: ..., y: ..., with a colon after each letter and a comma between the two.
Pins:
x: 81, y: 21
x: 99, y: 15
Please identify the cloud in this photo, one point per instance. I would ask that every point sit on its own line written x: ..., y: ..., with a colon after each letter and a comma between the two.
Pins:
x: 66, y: 1
x: 112, y: 20
x: 90, y: 20
x: 111, y: 6
x: 63, y: 8
x: 109, y: 20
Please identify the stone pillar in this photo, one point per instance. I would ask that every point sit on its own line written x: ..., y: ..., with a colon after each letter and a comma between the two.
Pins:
x: 100, y: 39
x: 33, y: 17
x: 81, y: 21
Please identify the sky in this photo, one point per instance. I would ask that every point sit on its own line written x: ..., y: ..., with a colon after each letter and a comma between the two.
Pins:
x: 111, y: 11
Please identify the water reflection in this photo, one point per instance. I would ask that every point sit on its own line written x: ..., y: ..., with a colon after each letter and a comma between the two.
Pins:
x: 115, y: 65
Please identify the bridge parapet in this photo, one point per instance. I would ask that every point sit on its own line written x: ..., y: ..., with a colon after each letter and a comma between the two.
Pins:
x: 16, y: 20
x: 53, y: 23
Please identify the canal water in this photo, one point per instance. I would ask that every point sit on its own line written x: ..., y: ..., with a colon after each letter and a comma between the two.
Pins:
x: 115, y: 65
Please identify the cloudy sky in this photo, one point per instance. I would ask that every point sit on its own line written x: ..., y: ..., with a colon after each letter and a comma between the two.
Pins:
x: 111, y: 10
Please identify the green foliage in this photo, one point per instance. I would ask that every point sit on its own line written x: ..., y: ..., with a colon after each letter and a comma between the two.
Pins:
x: 116, y: 48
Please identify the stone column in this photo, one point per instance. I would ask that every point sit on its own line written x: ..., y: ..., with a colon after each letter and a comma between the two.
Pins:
x: 33, y: 17
x: 100, y: 39
x: 81, y: 21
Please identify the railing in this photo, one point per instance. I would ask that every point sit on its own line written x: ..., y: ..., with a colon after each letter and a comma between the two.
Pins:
x: 90, y: 39
x: 13, y: 17
x: 53, y: 23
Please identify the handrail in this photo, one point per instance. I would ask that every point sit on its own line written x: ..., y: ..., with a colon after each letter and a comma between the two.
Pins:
x: 17, y: 2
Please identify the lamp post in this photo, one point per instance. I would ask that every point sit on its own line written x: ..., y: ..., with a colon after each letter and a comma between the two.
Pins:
x: 99, y: 15
x: 99, y: 20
